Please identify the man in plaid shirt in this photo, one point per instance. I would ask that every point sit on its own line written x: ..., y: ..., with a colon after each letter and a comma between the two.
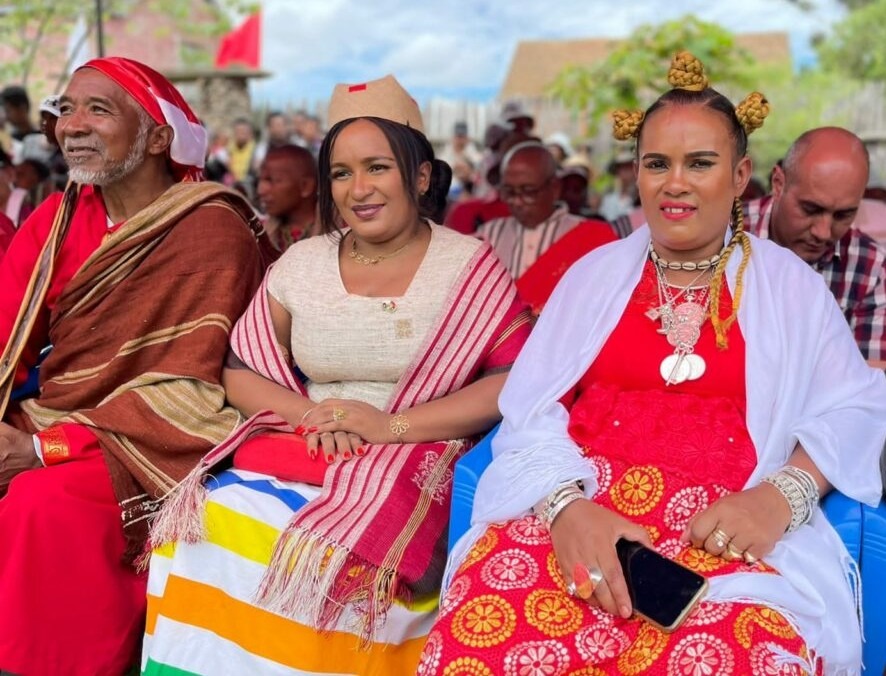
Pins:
x: 814, y: 200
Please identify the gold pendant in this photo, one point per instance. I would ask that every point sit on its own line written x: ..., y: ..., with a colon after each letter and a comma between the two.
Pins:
x: 404, y: 328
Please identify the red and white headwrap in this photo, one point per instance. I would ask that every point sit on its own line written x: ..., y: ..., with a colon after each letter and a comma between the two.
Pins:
x: 163, y: 102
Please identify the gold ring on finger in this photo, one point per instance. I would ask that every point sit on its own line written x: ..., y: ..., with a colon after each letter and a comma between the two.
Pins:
x: 338, y: 414
x: 749, y: 558
x: 731, y: 553
x: 721, y: 537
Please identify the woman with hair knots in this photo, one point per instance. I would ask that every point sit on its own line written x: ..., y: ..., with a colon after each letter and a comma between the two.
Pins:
x: 366, y: 361
x: 694, y: 390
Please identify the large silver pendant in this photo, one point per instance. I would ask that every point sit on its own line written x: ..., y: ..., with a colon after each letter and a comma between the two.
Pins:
x: 678, y: 368
x: 684, y: 327
x: 674, y: 369
x: 666, y: 314
x: 697, y: 367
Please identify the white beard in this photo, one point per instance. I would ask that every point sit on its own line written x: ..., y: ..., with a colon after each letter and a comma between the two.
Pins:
x: 113, y: 171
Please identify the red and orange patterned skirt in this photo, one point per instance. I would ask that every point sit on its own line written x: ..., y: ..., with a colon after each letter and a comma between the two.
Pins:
x: 507, y: 611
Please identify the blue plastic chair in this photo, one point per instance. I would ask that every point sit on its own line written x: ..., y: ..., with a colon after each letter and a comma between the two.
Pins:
x: 862, y: 528
x: 863, y: 531
x: 31, y: 386
x: 464, y: 484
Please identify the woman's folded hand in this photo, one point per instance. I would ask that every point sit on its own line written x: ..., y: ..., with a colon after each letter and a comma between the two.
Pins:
x: 342, y: 427
x: 744, y: 525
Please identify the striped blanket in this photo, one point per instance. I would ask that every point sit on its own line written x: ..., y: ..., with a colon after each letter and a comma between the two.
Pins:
x: 201, y: 615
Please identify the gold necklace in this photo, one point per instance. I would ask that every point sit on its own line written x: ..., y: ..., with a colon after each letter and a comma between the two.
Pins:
x: 375, y: 260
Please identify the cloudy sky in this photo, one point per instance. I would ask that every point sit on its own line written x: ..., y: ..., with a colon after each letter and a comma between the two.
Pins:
x: 462, y: 49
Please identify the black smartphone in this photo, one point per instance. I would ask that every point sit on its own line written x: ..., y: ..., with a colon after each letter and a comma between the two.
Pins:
x: 662, y: 591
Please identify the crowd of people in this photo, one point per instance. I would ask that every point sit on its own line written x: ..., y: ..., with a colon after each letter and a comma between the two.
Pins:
x: 237, y: 372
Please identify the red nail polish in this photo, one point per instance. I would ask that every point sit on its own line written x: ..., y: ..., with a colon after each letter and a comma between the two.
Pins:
x: 312, y: 453
x: 300, y: 429
x: 330, y: 459
x: 312, y: 430
x: 346, y: 455
x: 360, y: 451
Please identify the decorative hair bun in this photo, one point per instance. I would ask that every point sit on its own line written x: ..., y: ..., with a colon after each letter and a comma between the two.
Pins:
x: 626, y: 123
x: 752, y: 111
x: 687, y: 72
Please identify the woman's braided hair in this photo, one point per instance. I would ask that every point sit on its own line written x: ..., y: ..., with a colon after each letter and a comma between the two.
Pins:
x: 690, y: 87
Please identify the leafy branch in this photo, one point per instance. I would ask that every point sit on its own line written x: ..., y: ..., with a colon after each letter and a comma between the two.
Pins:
x: 634, y: 72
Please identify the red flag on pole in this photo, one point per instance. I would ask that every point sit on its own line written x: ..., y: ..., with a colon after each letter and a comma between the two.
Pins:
x: 242, y: 46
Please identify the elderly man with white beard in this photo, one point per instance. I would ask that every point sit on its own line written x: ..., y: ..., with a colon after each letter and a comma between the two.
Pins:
x: 134, y: 276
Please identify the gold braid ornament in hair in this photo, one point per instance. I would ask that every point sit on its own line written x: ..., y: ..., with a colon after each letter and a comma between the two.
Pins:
x: 752, y: 111
x: 687, y: 72
x: 626, y: 124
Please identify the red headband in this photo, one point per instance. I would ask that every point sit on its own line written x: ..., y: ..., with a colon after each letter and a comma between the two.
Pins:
x: 163, y: 102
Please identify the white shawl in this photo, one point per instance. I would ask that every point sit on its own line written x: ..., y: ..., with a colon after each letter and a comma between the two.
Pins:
x: 806, y: 381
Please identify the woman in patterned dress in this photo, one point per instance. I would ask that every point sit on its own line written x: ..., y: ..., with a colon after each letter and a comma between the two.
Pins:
x: 690, y: 377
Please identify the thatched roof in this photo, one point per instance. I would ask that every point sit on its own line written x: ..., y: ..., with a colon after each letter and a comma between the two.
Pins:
x: 537, y: 63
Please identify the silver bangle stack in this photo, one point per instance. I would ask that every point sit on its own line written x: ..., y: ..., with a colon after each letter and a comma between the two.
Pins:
x: 800, y: 490
x: 550, y: 507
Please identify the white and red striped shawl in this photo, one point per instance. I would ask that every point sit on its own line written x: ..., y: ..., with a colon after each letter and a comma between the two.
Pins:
x: 378, y: 530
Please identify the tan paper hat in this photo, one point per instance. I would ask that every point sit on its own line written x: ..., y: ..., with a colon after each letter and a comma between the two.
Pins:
x: 384, y: 98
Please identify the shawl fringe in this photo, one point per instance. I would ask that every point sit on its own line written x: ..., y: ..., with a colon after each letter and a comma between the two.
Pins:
x: 305, y: 567
x: 182, y: 518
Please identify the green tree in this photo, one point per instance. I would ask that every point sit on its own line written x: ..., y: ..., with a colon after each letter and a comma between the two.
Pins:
x: 799, y: 101
x: 857, y: 45
x: 634, y: 72
x: 809, y: 5
x: 25, y: 24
